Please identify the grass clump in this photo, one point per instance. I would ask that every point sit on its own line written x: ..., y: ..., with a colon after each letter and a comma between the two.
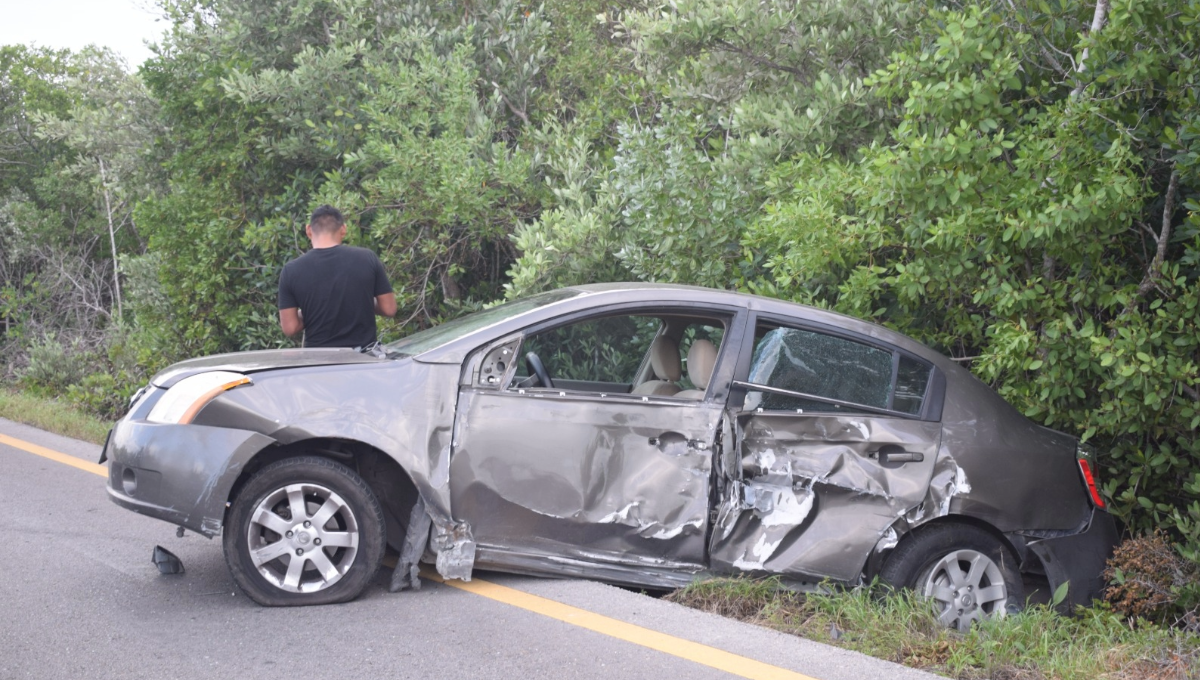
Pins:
x: 1035, y: 644
x: 52, y: 415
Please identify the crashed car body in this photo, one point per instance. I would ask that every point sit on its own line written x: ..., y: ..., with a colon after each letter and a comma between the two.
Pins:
x: 633, y: 433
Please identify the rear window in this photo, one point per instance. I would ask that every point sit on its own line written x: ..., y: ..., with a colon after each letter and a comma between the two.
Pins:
x: 835, y: 368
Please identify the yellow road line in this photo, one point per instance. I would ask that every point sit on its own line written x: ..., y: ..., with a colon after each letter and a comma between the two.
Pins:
x: 668, y: 644
x: 704, y: 655
x: 54, y: 455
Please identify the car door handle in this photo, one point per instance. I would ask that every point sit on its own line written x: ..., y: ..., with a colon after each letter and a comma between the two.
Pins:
x: 890, y: 454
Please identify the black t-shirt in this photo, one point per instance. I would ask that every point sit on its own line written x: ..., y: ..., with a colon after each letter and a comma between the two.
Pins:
x: 335, y: 289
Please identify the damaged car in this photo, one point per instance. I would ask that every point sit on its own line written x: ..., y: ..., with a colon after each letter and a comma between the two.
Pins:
x: 639, y: 434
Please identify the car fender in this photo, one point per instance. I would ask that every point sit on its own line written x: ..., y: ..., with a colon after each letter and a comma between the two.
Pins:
x: 404, y: 409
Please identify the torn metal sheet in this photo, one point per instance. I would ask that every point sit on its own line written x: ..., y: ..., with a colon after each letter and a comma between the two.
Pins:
x: 455, y: 551
x: 949, y: 482
x: 416, y: 538
x: 814, y: 500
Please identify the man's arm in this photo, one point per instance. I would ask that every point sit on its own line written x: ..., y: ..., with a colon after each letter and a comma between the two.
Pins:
x: 385, y: 305
x: 293, y: 324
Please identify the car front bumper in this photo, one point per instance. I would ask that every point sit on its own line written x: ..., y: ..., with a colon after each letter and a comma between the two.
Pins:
x: 180, y: 474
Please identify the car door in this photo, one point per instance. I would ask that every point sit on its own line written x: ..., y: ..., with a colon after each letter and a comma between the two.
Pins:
x: 586, y: 477
x: 835, y: 441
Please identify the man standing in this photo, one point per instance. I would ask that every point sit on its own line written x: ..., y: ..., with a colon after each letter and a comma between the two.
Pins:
x: 333, y: 292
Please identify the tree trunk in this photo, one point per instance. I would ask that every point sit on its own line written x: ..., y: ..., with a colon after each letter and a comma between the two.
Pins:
x: 1097, y: 23
x: 112, y: 238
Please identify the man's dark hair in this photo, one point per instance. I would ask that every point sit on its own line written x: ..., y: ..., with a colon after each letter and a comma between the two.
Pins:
x: 326, y: 219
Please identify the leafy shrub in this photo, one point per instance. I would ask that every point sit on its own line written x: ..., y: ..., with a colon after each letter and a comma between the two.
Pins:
x: 52, y: 366
x: 103, y: 394
x: 1149, y: 580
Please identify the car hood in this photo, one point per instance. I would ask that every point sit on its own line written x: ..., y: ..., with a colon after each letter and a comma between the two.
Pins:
x: 265, y: 360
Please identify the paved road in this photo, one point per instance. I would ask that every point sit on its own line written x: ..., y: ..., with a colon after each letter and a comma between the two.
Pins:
x: 80, y: 599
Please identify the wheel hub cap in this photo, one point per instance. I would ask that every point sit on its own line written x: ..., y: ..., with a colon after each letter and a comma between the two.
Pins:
x: 966, y: 586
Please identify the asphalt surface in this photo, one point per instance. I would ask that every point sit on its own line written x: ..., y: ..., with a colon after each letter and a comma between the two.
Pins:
x: 81, y: 599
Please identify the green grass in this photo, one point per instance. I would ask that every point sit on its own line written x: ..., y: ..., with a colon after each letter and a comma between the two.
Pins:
x: 1033, y: 645
x: 52, y: 415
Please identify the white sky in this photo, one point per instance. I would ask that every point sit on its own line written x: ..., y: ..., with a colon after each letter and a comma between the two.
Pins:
x: 122, y: 25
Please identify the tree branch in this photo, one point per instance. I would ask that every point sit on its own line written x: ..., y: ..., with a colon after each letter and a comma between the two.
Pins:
x: 1097, y: 23
x: 517, y: 112
x: 1163, y: 238
x: 763, y: 61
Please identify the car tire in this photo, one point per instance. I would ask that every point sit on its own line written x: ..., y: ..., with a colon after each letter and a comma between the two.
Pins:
x: 304, y: 531
x: 967, y: 573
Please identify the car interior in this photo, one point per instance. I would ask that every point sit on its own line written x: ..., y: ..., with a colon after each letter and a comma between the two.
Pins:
x: 659, y: 355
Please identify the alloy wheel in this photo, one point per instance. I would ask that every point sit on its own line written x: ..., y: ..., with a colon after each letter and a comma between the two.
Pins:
x: 302, y: 538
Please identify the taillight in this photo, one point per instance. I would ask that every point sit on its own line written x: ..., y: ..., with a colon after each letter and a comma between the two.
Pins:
x: 1089, y: 479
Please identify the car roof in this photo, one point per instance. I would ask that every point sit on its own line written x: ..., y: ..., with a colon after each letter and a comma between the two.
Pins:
x: 643, y: 291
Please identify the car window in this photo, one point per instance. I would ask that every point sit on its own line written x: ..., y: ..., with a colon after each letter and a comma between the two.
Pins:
x: 822, y: 365
x: 605, y: 350
x: 912, y: 382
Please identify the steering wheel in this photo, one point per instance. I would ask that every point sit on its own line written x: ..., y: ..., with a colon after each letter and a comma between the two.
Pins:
x: 534, y: 362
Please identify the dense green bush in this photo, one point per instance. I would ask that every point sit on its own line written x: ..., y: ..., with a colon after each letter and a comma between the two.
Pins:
x: 52, y: 367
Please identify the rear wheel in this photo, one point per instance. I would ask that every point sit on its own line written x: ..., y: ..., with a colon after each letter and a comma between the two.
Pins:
x: 966, y: 572
x: 304, y: 531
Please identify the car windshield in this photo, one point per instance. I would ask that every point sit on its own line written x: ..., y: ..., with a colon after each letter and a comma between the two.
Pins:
x: 439, y: 335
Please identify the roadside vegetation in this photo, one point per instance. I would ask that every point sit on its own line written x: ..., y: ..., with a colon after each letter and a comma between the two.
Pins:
x: 52, y: 416
x: 1036, y: 644
x: 1014, y: 182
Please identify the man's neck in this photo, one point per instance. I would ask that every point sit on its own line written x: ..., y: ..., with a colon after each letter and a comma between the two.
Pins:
x: 320, y: 243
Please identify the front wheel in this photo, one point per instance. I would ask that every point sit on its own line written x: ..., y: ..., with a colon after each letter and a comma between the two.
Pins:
x: 304, y: 531
x: 967, y: 573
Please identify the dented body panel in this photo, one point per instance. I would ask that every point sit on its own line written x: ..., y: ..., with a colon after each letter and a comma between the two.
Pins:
x: 653, y: 490
x: 815, y: 498
x: 608, y: 480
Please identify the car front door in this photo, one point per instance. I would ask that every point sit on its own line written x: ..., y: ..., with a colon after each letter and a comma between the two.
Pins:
x: 835, y: 442
x: 587, y: 477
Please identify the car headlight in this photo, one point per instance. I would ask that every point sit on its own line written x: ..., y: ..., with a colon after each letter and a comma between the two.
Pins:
x: 184, y: 400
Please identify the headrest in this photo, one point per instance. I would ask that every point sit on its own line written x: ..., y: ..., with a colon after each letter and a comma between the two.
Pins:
x: 664, y: 359
x: 701, y: 359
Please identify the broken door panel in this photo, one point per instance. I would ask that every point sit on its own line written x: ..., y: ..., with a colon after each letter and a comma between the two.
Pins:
x: 601, y: 479
x: 818, y: 491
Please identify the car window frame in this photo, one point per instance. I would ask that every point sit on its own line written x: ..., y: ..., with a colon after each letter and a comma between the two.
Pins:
x: 718, y: 388
x: 931, y: 406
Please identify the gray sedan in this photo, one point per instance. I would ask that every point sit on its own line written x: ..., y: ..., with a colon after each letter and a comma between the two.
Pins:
x: 639, y: 434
